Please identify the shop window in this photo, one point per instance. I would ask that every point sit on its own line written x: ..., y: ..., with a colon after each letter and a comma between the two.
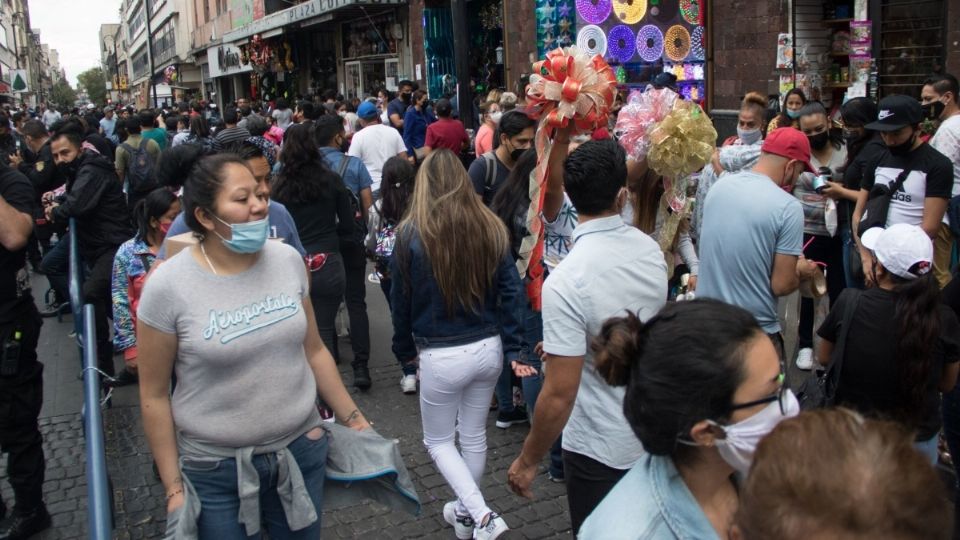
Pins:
x: 136, y: 22
x: 912, y: 35
x: 141, y: 65
x: 164, y: 45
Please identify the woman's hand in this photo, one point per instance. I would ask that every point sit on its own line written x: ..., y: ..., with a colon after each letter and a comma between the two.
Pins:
x: 692, y: 283
x: 523, y: 370
x: 175, y: 500
x: 834, y: 190
x: 357, y: 421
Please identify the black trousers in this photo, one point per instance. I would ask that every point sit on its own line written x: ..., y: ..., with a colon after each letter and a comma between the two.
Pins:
x: 355, y: 268
x: 97, y: 291
x: 326, y: 291
x: 588, y: 482
x: 21, y: 397
x: 829, y: 250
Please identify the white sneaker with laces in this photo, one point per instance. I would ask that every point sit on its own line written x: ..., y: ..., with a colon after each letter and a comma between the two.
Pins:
x: 493, y: 529
x: 462, y: 525
x: 408, y: 384
x: 805, y: 359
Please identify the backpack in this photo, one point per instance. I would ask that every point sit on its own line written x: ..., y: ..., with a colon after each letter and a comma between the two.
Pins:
x: 383, y: 252
x: 359, y: 224
x: 139, y: 171
x: 490, y: 176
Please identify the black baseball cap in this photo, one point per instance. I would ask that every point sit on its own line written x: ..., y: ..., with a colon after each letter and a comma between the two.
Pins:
x: 897, y: 111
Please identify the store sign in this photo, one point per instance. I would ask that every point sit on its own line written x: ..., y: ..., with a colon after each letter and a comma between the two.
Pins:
x: 298, y: 13
x: 225, y: 60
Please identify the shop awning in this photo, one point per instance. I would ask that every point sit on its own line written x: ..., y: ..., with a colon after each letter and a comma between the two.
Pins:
x: 300, y: 13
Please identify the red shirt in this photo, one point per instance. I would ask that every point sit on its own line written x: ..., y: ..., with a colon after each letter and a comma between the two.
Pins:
x: 447, y: 133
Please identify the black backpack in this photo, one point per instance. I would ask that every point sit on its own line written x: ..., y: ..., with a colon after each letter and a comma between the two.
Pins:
x: 359, y: 235
x: 139, y: 171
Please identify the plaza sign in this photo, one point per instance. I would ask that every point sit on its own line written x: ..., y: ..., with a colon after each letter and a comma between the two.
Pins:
x: 299, y: 13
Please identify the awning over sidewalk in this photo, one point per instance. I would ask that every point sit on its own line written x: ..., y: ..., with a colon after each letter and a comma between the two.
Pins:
x: 300, y: 13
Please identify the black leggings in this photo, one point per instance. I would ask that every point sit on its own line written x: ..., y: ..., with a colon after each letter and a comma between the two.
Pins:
x: 588, y: 482
x: 326, y: 291
x: 829, y: 250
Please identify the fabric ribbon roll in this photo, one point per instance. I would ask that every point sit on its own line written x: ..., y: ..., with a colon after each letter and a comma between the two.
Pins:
x: 683, y: 142
x: 567, y: 88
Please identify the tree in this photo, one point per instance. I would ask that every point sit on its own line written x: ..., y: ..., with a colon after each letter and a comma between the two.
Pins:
x: 63, y: 94
x: 95, y: 85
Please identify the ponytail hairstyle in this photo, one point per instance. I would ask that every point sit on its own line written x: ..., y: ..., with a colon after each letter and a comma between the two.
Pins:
x: 153, y: 206
x: 513, y: 198
x: 682, y: 366
x: 645, y: 194
x: 918, y: 332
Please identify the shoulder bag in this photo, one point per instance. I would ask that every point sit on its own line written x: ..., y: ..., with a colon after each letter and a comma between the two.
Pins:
x: 819, y: 391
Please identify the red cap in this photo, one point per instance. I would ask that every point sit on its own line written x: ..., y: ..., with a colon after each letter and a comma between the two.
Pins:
x: 790, y: 143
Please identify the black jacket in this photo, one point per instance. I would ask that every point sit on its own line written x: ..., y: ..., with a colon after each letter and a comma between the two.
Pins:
x: 95, y: 199
x: 42, y: 173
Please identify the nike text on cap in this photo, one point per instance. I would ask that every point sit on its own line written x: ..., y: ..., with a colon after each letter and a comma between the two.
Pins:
x: 897, y: 111
x: 904, y: 250
x: 790, y: 143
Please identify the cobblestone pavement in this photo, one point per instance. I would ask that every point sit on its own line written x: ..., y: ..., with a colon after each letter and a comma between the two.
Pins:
x: 138, y: 496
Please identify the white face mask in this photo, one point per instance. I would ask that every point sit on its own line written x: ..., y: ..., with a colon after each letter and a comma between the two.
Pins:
x: 496, y: 116
x: 742, y: 438
x: 748, y: 136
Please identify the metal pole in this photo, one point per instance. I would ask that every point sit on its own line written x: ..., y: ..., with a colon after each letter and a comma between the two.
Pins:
x: 98, y: 496
x: 153, y: 83
x: 461, y: 54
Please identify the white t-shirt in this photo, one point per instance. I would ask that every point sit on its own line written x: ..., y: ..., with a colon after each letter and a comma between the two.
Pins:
x: 947, y: 141
x: 611, y: 269
x: 374, y: 145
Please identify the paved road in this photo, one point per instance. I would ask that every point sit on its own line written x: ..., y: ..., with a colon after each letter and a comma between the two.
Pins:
x: 139, y: 501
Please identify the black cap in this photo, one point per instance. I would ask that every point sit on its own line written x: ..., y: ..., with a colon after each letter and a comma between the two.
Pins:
x: 897, y: 111
x: 665, y: 79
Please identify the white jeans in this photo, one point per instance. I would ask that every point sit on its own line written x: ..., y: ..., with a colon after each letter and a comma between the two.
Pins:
x: 456, y: 384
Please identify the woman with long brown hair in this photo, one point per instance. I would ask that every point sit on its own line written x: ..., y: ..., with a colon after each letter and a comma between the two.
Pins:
x: 455, y: 302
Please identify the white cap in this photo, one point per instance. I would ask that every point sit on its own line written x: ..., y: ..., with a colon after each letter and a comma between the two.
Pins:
x: 904, y: 250
x: 91, y: 106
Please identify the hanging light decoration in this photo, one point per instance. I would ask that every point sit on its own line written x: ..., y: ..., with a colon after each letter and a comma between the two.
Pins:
x: 650, y: 43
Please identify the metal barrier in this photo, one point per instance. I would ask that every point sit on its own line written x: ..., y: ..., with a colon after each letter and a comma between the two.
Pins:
x: 99, y: 501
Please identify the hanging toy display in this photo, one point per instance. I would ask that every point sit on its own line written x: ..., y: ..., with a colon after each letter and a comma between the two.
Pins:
x: 650, y: 43
x: 594, y: 11
x: 630, y: 11
x: 621, y: 43
x: 591, y: 40
x: 677, y: 43
x: 288, y: 57
x: 567, y: 88
x: 690, y: 9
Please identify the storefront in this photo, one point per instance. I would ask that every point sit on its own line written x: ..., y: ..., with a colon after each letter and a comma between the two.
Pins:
x: 486, y: 42
x: 229, y: 76
x: 371, y: 54
x: 638, y: 38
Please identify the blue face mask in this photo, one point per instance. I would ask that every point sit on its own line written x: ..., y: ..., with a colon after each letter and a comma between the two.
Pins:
x: 793, y: 115
x: 246, y: 237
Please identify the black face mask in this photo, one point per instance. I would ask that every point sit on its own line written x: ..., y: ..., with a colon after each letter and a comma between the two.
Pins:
x: 850, y: 136
x: 405, y: 97
x: 933, y: 110
x: 903, y: 148
x: 819, y: 141
x: 69, y: 170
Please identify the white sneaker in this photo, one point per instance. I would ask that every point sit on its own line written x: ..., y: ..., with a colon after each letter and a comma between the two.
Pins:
x: 462, y: 525
x: 805, y: 359
x: 374, y: 277
x: 493, y: 529
x: 408, y: 384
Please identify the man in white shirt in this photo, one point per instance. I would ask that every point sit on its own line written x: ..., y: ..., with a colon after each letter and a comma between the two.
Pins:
x: 375, y: 143
x: 50, y: 116
x: 611, y: 269
x: 939, y: 99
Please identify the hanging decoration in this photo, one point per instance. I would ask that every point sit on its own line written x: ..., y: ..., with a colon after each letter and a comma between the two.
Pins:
x: 621, y: 43
x: 594, y: 11
x: 491, y: 16
x: 630, y: 11
x: 650, y: 43
x: 621, y: 75
x: 677, y: 43
x: 690, y: 9
x: 567, y: 88
x: 170, y: 74
x: 697, y: 45
x: 556, y: 24
x: 591, y: 40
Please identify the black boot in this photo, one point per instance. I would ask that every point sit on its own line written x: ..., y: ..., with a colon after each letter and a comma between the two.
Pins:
x: 361, y: 377
x: 22, y: 526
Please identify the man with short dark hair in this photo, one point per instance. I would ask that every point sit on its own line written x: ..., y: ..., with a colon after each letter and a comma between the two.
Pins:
x: 513, y: 137
x: 612, y: 269
x: 94, y: 198
x: 149, y: 129
x: 397, y: 107
x: 330, y: 136
x: 446, y: 132
x: 231, y: 133
x: 306, y: 112
x: 125, y: 159
x: 939, y: 98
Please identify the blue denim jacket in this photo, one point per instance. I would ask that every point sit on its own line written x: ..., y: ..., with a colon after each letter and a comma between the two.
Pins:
x: 651, y: 502
x: 420, y: 317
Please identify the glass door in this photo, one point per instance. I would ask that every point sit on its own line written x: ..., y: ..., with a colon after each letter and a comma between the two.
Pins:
x: 353, y: 79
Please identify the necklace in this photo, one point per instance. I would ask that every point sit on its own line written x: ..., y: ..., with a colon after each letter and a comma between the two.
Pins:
x: 204, y: 252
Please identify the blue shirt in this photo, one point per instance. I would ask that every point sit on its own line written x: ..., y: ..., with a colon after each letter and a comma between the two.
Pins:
x: 356, y: 177
x: 398, y: 107
x: 281, y: 226
x: 650, y: 502
x: 415, y: 129
x: 747, y: 221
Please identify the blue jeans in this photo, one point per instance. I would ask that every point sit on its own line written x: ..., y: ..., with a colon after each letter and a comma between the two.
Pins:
x: 533, y: 334
x: 55, y: 265
x: 216, y: 486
